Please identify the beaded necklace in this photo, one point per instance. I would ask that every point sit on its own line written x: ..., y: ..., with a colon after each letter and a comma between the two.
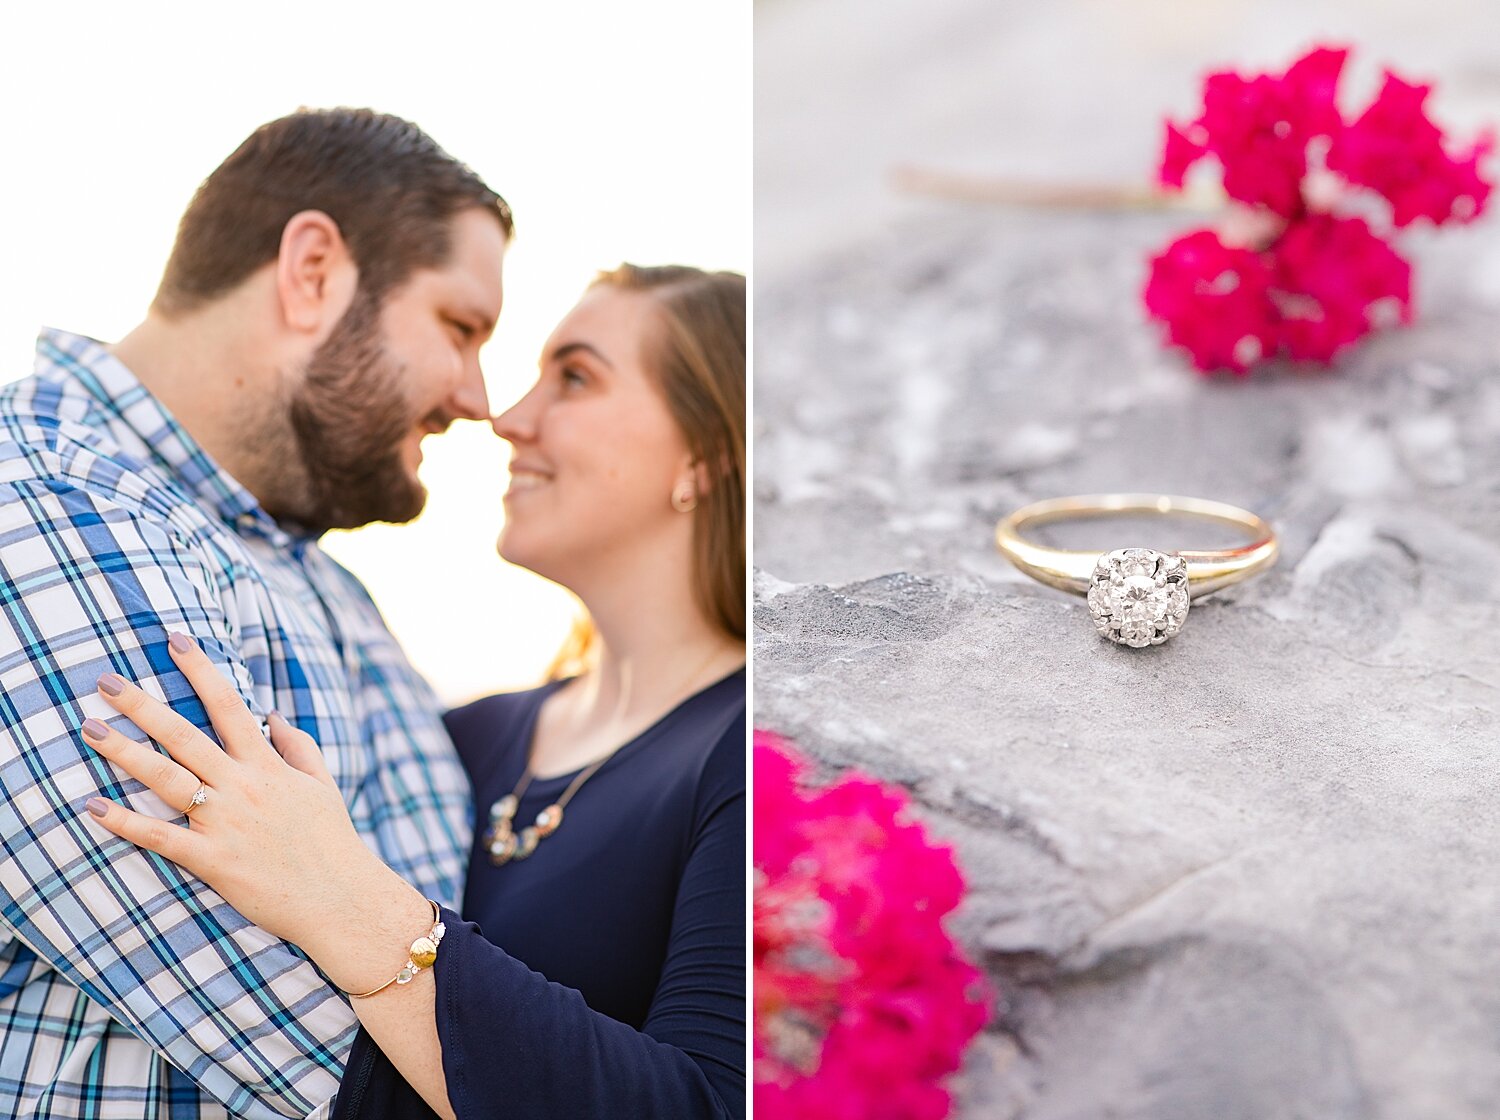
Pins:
x: 505, y: 844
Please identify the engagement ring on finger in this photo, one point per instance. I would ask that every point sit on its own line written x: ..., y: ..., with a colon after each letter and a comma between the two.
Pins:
x: 199, y: 797
x: 1137, y: 596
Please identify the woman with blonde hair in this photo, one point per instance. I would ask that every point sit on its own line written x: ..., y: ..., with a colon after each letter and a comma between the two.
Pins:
x: 598, y: 966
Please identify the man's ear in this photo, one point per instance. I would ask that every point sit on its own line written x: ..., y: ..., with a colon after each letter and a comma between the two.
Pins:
x: 315, y: 274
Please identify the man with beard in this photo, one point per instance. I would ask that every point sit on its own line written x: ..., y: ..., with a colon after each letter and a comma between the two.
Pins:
x: 321, y: 313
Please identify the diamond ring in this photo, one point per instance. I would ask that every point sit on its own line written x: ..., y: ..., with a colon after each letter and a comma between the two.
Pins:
x: 1137, y: 596
x: 200, y: 795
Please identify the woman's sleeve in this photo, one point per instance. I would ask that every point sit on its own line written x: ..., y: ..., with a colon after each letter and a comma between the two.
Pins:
x: 518, y: 1046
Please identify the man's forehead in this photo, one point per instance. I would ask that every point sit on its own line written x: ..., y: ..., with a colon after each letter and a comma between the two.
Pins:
x: 473, y: 275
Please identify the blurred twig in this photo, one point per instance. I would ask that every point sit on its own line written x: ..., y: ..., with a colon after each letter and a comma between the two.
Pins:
x: 990, y: 191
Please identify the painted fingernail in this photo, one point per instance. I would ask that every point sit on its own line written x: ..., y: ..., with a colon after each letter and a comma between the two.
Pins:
x: 179, y: 642
x: 95, y: 729
x: 111, y: 684
x: 98, y: 806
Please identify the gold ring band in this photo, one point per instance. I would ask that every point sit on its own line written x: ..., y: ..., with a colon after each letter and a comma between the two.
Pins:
x: 1119, y: 584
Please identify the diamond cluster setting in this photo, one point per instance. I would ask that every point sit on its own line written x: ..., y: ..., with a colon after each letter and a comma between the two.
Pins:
x: 1138, y: 596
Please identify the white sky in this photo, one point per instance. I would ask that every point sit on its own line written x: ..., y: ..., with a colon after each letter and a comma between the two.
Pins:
x: 615, y: 131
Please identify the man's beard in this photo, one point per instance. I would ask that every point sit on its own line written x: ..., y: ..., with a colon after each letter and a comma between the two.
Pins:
x: 349, y: 420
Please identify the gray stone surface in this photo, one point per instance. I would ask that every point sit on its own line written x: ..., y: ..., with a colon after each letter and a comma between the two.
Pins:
x: 1251, y: 873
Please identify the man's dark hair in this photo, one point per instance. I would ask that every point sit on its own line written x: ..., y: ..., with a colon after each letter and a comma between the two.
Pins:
x: 390, y: 188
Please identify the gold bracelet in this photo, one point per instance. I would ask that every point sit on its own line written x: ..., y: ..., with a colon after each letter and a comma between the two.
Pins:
x: 422, y: 954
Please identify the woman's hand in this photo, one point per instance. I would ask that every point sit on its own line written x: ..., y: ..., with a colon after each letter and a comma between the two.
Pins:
x: 271, y: 835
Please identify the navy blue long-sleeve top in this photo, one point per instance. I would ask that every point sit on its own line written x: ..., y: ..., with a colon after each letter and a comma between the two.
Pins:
x: 609, y: 976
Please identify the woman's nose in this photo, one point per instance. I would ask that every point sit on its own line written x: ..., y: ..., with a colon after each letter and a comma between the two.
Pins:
x: 512, y: 424
x: 519, y: 421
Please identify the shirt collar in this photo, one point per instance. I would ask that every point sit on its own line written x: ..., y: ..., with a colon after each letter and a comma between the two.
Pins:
x: 141, y: 424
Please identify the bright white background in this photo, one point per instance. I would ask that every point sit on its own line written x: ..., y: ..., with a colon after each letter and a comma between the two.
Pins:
x: 616, y: 132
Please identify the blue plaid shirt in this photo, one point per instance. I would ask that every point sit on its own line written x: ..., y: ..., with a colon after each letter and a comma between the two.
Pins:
x: 127, y: 987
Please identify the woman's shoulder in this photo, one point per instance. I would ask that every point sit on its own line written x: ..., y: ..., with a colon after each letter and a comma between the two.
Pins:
x: 722, y: 776
x: 692, y: 760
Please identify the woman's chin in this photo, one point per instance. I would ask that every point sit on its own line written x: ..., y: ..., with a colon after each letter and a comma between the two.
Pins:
x: 513, y: 549
x: 506, y: 546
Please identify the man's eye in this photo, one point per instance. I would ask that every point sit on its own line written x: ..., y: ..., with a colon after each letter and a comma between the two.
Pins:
x: 571, y: 376
x: 465, y: 331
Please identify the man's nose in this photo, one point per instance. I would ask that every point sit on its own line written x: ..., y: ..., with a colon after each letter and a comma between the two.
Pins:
x: 471, y: 401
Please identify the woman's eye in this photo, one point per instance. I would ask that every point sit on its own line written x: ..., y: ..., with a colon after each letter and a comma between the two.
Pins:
x: 465, y: 331
x: 572, y: 377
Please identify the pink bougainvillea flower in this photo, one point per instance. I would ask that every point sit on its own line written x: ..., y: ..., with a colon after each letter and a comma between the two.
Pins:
x: 863, y: 1004
x: 1288, y: 272
x: 1335, y: 281
x: 1324, y: 283
x: 1311, y: 84
x: 1214, y: 300
x: 1259, y: 129
x: 1394, y: 148
x: 1179, y: 153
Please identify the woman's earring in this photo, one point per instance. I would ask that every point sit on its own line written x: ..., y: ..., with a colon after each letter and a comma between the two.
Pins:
x: 684, y: 500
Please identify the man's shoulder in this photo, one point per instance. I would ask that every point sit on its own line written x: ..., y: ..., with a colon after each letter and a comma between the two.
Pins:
x: 52, y: 441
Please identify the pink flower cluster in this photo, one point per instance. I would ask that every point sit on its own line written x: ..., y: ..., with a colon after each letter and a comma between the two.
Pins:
x: 862, y: 1001
x: 1289, y: 274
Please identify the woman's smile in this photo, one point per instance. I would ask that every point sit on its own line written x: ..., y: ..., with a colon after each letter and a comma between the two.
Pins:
x: 523, y: 479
